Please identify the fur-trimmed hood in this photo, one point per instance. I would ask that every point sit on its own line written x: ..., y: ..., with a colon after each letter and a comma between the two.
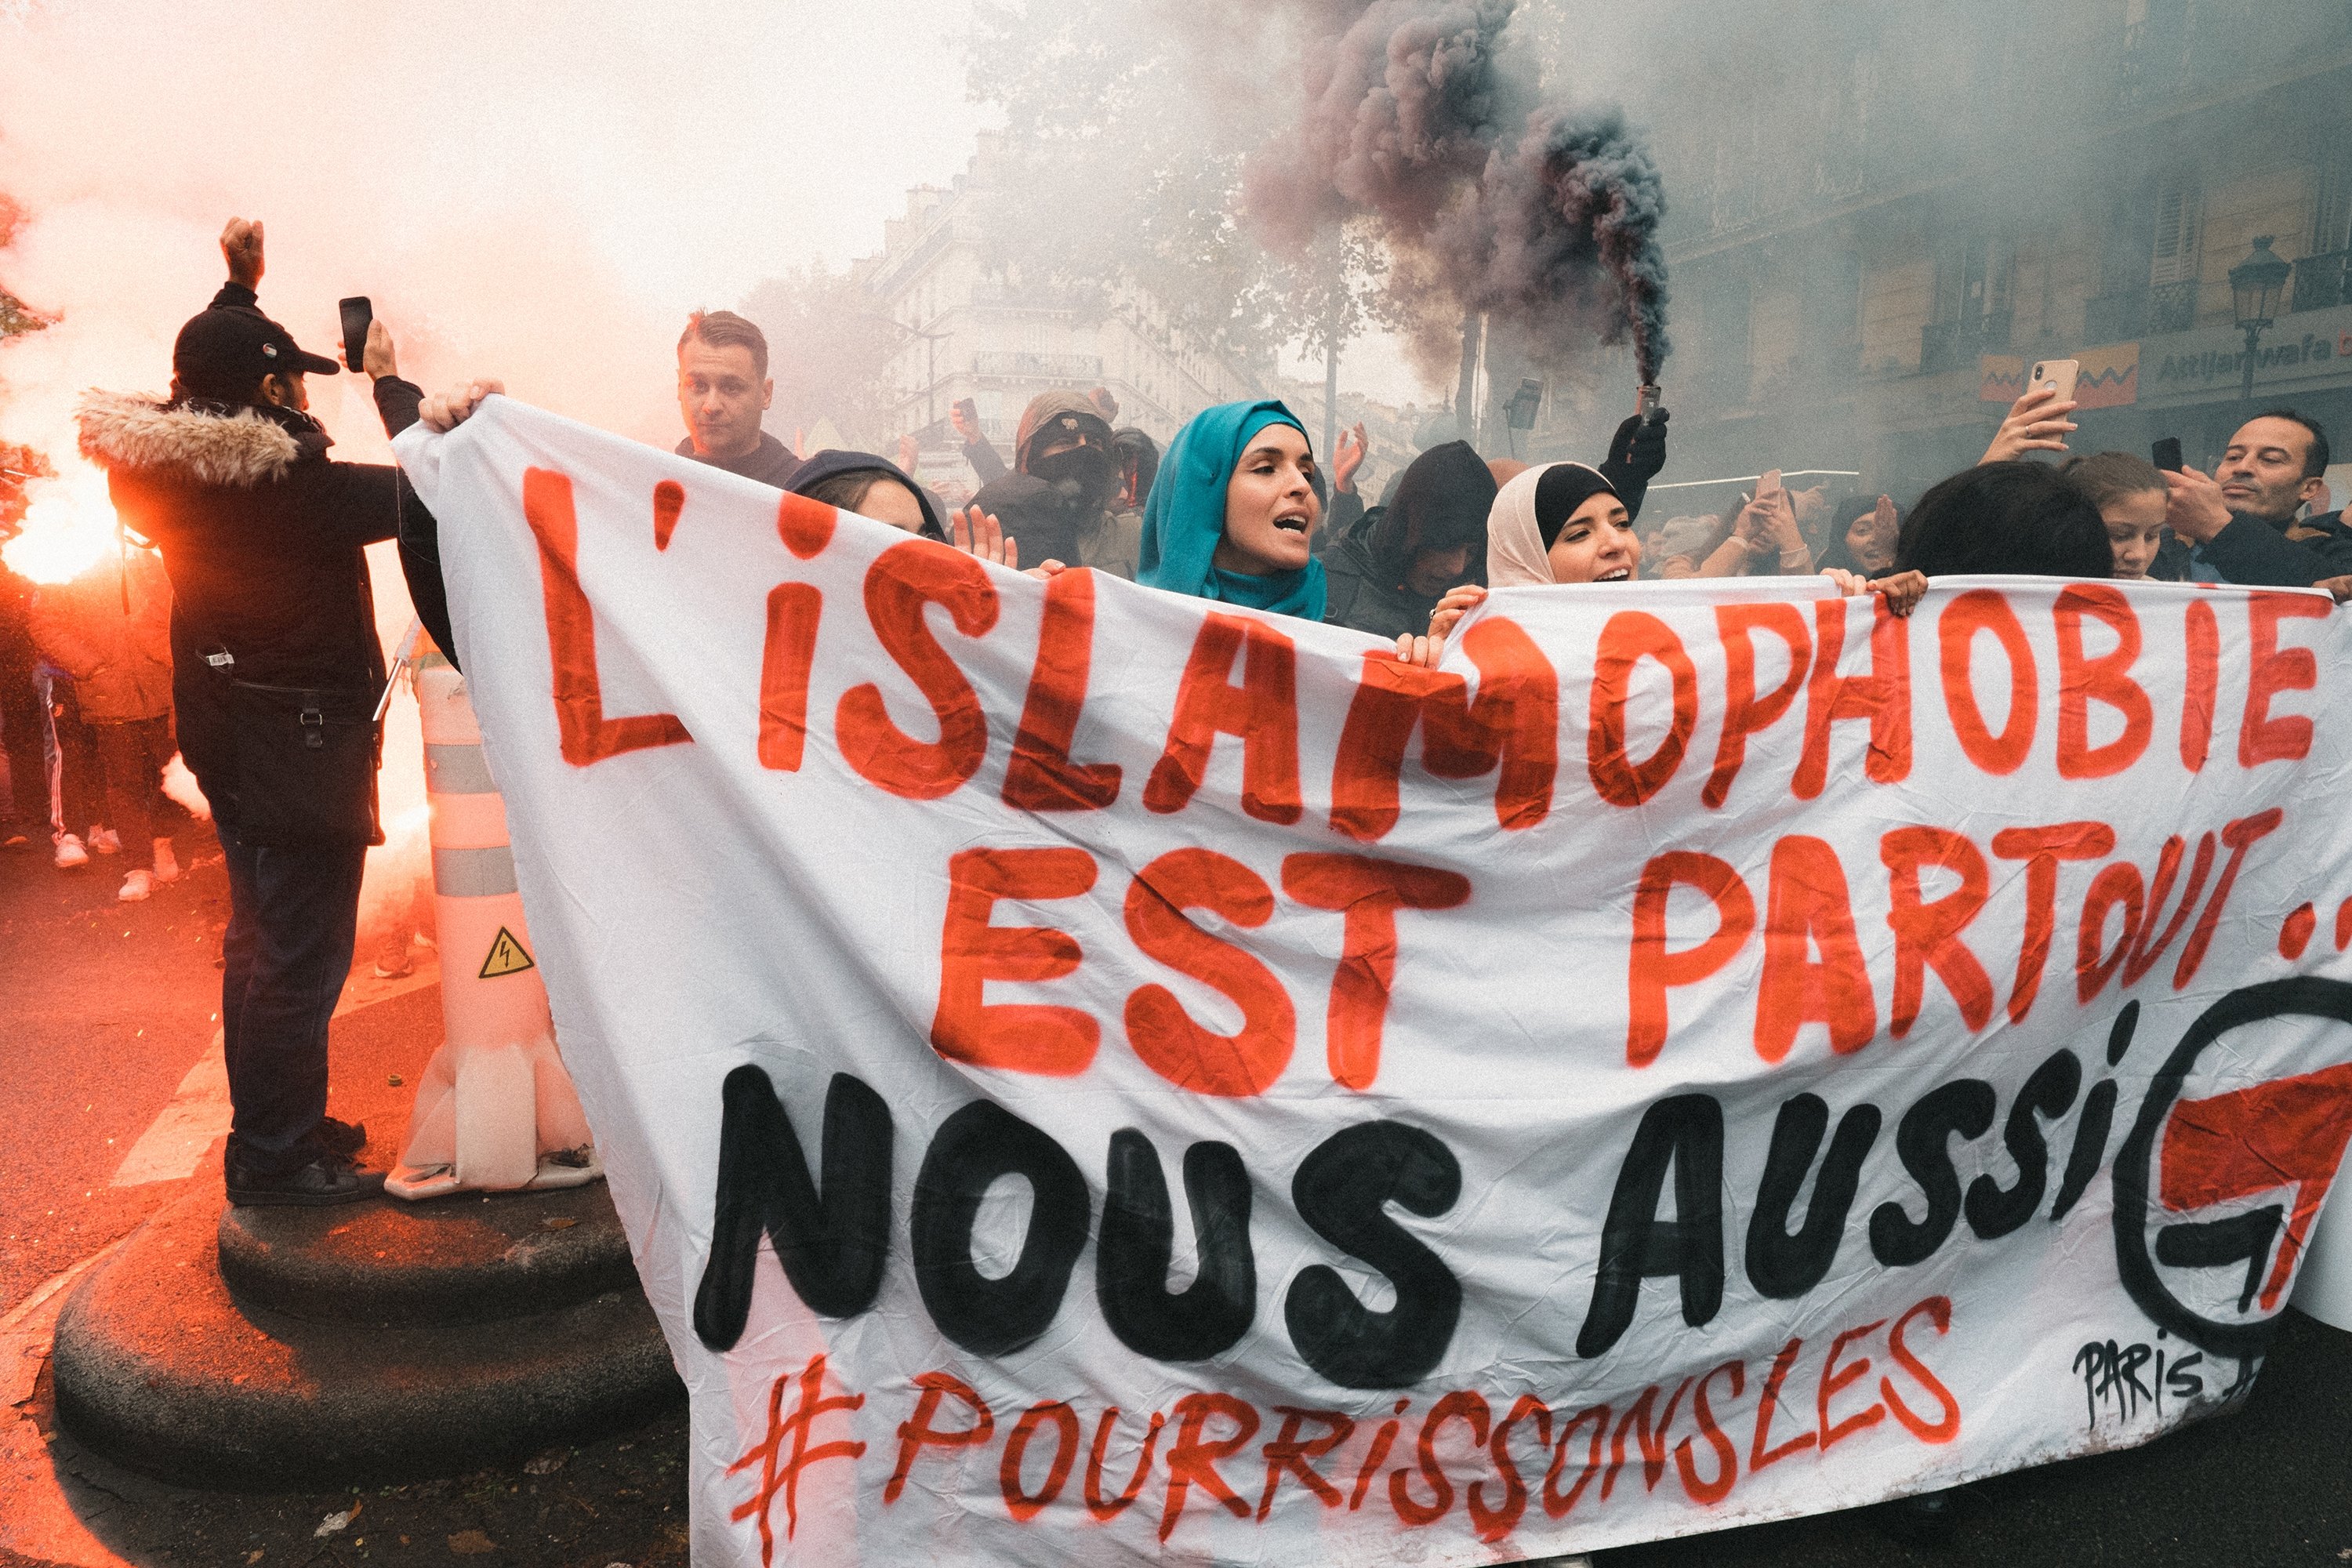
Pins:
x: 136, y: 433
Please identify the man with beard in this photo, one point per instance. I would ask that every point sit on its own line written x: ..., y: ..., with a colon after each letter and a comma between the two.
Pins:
x: 2242, y: 521
x: 723, y: 388
x: 1057, y: 501
x: 1390, y: 570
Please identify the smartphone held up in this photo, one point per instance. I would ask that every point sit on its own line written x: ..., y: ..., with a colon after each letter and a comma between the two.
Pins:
x: 358, y: 316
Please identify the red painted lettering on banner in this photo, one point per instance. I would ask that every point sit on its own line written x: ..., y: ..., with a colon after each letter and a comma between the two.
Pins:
x: 2116, y: 887
x: 1807, y: 907
x: 2270, y: 672
x: 1377, y: 1455
x: 2201, y: 696
x: 1018, y: 1036
x: 1020, y: 1502
x: 1192, y: 1460
x: 1288, y: 1455
x: 1835, y: 1379
x: 1042, y: 777
x: 1514, y: 724
x: 1629, y: 638
x: 1369, y: 893
x: 805, y: 525
x: 1745, y: 713
x: 786, y: 656
x: 1943, y: 1428
x: 1708, y: 1493
x: 583, y: 733
x: 1461, y: 1406
x: 1651, y: 1439
x: 1927, y: 930
x: 2105, y: 680
x: 1108, y: 1508
x: 1985, y: 610
x: 1556, y: 1502
x: 785, y: 1477
x: 920, y: 1430
x: 670, y: 499
x: 1651, y: 970
x: 2041, y: 848
x: 1883, y: 696
x: 904, y: 582
x: 2238, y: 837
x: 1494, y: 1522
x: 1262, y: 713
x: 1759, y: 1456
x: 1163, y: 1035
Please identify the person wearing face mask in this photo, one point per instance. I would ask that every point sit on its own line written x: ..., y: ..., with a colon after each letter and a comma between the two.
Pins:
x: 1389, y: 571
x: 1232, y: 515
x: 1058, y: 502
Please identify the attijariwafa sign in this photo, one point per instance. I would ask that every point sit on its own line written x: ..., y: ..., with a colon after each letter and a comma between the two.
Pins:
x: 1096, y: 1076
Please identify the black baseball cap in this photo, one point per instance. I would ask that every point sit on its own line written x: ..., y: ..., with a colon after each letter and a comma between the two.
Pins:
x: 223, y: 352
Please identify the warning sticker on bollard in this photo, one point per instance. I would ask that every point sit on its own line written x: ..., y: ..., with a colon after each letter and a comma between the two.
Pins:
x: 506, y: 957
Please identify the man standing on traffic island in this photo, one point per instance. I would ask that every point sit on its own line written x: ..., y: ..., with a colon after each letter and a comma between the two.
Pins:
x: 2241, y: 522
x: 276, y: 674
x: 723, y: 388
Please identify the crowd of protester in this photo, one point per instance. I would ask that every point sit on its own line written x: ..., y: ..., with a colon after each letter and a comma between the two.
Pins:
x: 246, y: 634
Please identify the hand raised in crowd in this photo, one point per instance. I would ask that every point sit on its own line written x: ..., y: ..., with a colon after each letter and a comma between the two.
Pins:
x: 911, y: 453
x: 1347, y: 455
x: 1902, y: 592
x: 967, y: 428
x: 976, y: 532
x: 1781, y: 532
x: 378, y: 358
x: 2193, y: 505
x: 240, y: 245
x: 1427, y: 650
x: 455, y: 407
x: 2037, y: 421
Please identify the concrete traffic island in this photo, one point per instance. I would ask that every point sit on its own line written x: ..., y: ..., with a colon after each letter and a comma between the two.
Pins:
x: 369, y: 1343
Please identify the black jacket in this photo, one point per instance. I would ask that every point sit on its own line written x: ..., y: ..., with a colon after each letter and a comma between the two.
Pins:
x: 771, y: 462
x: 1441, y: 502
x: 2257, y: 552
x: 262, y: 535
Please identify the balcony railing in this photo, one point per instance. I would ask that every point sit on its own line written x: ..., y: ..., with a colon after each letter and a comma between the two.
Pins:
x: 1036, y: 367
x: 2141, y: 312
x: 1949, y: 345
x: 2319, y: 281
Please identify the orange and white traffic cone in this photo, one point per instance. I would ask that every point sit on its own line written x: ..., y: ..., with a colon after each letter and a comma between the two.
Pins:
x: 495, y: 1109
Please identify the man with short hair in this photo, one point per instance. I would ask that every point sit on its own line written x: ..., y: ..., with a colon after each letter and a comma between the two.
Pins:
x: 2242, y: 521
x: 723, y: 388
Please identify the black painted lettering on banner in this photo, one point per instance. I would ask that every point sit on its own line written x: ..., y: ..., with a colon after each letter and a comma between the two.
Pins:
x: 1923, y: 1143
x: 1341, y: 1190
x: 1993, y: 1210
x: 1782, y: 1266
x: 1138, y: 1240
x: 2091, y: 1132
x: 1683, y: 1131
x: 972, y: 1149
x: 832, y: 1243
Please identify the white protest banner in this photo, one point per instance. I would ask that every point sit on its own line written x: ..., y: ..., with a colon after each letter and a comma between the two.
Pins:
x: 1091, y: 1075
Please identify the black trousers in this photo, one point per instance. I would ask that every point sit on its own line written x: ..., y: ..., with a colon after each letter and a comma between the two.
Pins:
x: 293, y: 915
x: 132, y: 754
x: 21, y: 728
x: 81, y: 779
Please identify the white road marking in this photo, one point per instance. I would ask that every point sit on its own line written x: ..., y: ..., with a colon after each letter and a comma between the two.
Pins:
x: 177, y: 1141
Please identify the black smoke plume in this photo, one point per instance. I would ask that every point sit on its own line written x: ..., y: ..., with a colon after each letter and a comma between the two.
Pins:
x: 1540, y: 215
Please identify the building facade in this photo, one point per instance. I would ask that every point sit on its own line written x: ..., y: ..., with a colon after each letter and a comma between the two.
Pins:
x: 1865, y: 258
x: 969, y: 331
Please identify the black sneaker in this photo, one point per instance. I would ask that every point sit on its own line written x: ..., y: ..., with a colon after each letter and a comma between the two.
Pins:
x: 327, y: 1179
x: 339, y: 1137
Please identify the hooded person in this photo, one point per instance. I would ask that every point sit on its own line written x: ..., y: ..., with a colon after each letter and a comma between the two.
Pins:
x: 1058, y: 501
x: 1232, y: 512
x: 872, y: 487
x: 1389, y: 571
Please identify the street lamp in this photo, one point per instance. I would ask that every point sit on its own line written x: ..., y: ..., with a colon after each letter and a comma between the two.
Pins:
x: 2255, y: 286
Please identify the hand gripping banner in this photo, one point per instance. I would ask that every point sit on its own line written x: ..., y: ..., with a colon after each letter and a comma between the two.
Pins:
x: 1096, y: 1076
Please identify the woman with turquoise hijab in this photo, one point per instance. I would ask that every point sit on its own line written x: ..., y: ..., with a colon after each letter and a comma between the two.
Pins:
x: 1233, y: 511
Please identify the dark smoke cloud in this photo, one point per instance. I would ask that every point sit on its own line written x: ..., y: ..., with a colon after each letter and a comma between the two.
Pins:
x: 1421, y: 118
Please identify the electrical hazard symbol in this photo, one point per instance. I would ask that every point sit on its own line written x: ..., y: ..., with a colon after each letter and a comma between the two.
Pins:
x: 507, y: 957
